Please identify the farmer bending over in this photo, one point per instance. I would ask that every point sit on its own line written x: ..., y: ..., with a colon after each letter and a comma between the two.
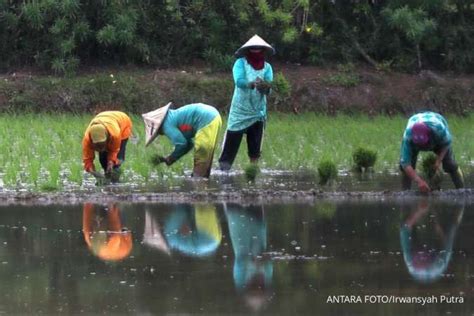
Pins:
x: 107, y: 134
x: 248, y: 110
x: 427, y: 131
x: 191, y: 126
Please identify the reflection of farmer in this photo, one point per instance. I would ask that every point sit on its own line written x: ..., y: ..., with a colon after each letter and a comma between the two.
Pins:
x: 104, y: 234
x: 427, y: 131
x: 194, y: 125
x: 248, y: 233
x: 427, y: 265
x: 107, y: 133
x: 248, y: 111
x: 194, y: 230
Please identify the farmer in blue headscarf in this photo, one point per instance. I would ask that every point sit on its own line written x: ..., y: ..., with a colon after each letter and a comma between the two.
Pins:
x: 248, y: 110
x: 427, y: 131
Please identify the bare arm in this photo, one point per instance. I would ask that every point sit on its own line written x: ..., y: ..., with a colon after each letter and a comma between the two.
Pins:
x: 411, y: 173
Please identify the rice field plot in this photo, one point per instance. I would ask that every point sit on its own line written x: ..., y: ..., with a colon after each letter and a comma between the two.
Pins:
x: 43, y: 152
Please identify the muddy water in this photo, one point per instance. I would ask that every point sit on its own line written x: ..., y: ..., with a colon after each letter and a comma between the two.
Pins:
x: 273, y: 180
x: 235, y: 259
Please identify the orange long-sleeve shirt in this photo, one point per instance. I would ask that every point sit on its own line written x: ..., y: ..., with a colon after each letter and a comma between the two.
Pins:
x: 119, y: 127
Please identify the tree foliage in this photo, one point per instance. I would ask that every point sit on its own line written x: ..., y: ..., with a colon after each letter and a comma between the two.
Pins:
x: 60, y: 35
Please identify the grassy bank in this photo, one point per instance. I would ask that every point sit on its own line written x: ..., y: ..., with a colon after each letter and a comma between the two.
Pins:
x: 43, y: 152
x: 331, y: 91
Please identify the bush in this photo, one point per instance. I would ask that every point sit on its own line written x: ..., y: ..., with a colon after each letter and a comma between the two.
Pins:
x: 281, y: 89
x: 327, y: 171
x: 218, y: 61
x: 342, y: 79
x: 364, y: 158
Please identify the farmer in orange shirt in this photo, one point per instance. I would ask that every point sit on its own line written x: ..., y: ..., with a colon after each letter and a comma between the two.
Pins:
x: 107, y: 134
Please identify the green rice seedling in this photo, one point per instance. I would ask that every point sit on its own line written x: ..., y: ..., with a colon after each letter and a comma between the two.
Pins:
x: 54, y: 172
x: 252, y: 171
x: 364, y: 158
x: 34, y: 167
x: 327, y: 171
x: 10, y: 176
x: 292, y: 142
x: 76, y: 173
x: 433, y: 176
x: 49, y: 187
x: 143, y: 169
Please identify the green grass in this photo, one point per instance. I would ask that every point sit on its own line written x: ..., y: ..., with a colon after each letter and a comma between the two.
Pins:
x: 44, y: 151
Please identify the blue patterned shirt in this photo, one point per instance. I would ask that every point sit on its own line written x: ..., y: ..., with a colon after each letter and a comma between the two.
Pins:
x: 439, y: 136
x: 181, y: 125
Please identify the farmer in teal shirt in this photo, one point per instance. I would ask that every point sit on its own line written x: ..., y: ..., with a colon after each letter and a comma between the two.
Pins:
x: 427, y: 131
x: 248, y: 110
x: 191, y: 126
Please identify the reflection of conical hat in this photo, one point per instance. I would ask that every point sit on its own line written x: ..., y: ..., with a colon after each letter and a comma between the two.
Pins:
x: 153, y: 236
x: 153, y: 121
x: 255, y: 41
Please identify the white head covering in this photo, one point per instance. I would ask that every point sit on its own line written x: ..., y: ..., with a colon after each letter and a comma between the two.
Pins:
x: 255, y: 41
x: 153, y: 121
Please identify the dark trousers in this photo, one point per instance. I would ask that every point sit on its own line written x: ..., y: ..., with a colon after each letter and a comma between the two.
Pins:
x: 449, y: 166
x: 232, y: 142
x: 120, y: 156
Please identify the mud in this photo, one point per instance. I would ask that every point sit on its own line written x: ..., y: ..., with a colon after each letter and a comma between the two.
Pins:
x: 243, y: 196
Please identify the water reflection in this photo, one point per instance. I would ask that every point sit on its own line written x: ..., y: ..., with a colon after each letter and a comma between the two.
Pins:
x: 252, y: 272
x: 153, y: 235
x: 427, y: 234
x: 193, y: 230
x: 104, y: 232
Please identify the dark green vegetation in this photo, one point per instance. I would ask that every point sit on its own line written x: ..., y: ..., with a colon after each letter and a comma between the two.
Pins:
x: 364, y: 158
x: 327, y: 171
x: 433, y: 176
x: 251, y: 171
x: 61, y: 35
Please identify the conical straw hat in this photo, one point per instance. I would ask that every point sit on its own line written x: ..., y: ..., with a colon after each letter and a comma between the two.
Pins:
x: 153, y: 121
x: 255, y: 41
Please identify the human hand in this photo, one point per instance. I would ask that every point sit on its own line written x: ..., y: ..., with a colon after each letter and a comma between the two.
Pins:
x: 110, y: 166
x: 423, y: 186
x: 157, y: 159
x: 263, y: 87
x: 437, y: 165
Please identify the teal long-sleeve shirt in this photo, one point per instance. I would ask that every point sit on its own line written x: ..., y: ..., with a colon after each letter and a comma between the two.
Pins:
x: 248, y: 105
x: 181, y: 125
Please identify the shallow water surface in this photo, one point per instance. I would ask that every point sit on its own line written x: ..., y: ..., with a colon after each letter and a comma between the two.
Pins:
x: 357, y: 257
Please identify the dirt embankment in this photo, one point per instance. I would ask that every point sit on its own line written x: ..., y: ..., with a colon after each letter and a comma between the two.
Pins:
x: 299, y: 89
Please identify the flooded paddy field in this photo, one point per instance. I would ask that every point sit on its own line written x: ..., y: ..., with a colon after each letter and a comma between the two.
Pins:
x: 393, y: 256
